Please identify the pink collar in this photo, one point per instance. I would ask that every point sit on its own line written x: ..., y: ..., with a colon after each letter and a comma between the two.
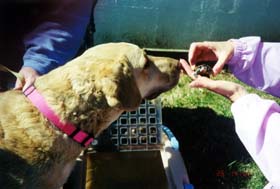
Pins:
x: 39, y: 102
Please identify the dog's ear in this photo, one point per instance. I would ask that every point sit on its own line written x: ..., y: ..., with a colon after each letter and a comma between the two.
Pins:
x: 120, y: 87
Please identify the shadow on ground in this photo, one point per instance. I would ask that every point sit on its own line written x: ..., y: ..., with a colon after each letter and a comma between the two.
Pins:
x: 208, y: 144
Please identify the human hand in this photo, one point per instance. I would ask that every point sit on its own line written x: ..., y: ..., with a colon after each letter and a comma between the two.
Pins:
x: 230, y: 90
x: 211, y: 51
x: 29, y: 75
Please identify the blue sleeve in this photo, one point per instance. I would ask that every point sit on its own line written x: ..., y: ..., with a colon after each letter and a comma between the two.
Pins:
x: 57, y: 40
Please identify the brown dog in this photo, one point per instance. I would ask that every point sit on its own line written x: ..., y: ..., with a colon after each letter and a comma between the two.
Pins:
x: 90, y: 92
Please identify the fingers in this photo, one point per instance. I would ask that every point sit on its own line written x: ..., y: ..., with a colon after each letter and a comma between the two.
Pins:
x: 29, y: 81
x: 29, y: 75
x: 219, y: 65
x: 194, y: 51
x: 186, y: 68
x: 230, y: 90
x: 202, y: 82
x: 225, y: 52
x: 18, y: 85
x: 201, y: 51
x: 211, y: 51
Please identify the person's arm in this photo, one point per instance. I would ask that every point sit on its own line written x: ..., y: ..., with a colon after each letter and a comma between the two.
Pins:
x: 56, y: 40
x: 256, y: 122
x: 257, y: 125
x: 257, y: 64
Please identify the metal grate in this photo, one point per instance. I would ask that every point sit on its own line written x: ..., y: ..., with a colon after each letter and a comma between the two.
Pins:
x: 136, y: 130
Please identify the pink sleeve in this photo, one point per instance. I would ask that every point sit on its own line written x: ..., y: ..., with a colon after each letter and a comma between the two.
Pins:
x: 257, y: 64
x: 257, y: 124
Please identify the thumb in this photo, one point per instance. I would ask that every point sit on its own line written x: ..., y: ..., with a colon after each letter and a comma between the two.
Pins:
x: 219, y: 65
x: 202, y: 82
x: 29, y: 81
x: 228, y: 89
x: 18, y: 85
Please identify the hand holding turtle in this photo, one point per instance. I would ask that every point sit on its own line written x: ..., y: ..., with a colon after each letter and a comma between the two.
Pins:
x: 230, y: 90
x: 211, y: 51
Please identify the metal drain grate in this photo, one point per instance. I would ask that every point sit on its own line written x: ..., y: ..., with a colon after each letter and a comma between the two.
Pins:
x: 136, y: 130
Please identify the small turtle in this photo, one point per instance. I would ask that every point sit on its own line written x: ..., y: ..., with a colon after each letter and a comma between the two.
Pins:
x: 203, y: 70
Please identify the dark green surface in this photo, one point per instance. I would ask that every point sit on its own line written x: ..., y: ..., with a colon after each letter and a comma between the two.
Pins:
x: 177, y: 23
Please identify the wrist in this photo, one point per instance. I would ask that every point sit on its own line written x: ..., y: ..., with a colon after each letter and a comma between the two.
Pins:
x: 240, y: 91
x: 238, y: 47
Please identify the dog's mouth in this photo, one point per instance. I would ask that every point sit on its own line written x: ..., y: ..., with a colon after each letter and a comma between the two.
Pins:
x: 153, y: 95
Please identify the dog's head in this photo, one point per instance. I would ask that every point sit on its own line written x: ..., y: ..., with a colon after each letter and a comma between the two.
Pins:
x: 129, y: 75
x: 96, y: 87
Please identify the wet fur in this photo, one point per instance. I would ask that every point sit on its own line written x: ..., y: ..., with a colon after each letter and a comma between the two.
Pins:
x: 91, y: 92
